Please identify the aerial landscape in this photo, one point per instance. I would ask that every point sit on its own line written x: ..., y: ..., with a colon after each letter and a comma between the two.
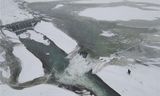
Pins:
x: 79, y: 47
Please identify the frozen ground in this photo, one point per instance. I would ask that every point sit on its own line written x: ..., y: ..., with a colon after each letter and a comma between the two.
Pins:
x: 9, y: 12
x: 123, y: 13
x: 143, y: 81
x: 40, y: 90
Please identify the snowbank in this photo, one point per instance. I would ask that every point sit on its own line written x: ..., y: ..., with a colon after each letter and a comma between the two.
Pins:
x: 143, y: 81
x: 62, y: 40
x: 40, y: 90
x: 119, y: 13
x: 31, y: 66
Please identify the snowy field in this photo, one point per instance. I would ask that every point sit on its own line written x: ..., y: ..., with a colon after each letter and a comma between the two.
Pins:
x: 9, y: 12
x: 143, y: 81
x: 40, y: 90
x: 119, y: 13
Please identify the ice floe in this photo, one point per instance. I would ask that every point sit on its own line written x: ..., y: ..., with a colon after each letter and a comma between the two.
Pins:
x: 123, y: 13
x: 61, y: 39
x: 31, y: 66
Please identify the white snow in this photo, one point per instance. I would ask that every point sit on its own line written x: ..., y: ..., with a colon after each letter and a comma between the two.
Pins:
x: 77, y: 68
x: 62, y: 40
x: 107, y: 34
x: 31, y: 66
x: 11, y: 36
x: 103, y: 61
x: 31, y: 1
x: 143, y: 81
x: 79, y: 65
x: 9, y: 12
x: 35, y: 36
x: 119, y: 13
x: 39, y: 90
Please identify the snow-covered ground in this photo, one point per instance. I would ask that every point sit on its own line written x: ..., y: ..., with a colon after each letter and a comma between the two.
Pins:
x: 39, y: 90
x: 143, y: 80
x: 120, y: 13
x: 62, y: 40
x: 9, y: 12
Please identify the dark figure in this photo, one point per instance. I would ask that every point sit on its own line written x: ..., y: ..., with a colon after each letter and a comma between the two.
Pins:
x: 129, y: 71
